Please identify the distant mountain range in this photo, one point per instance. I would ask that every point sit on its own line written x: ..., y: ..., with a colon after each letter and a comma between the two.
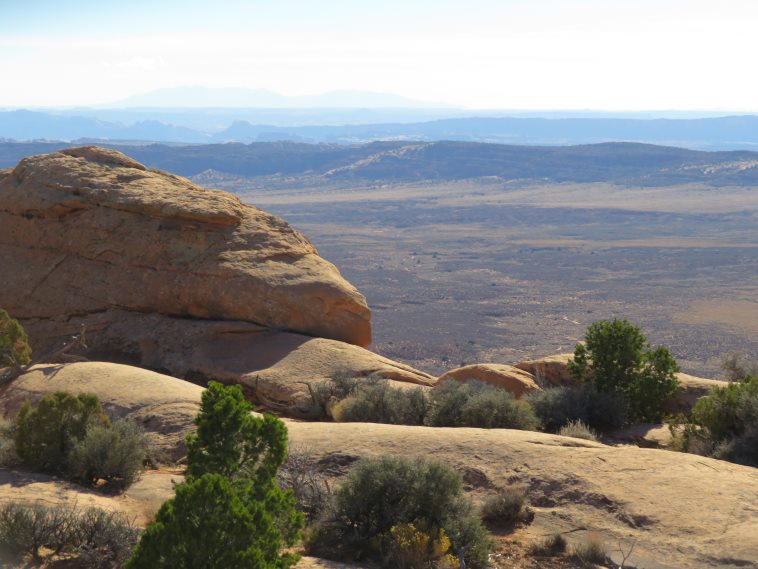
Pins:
x: 203, y: 126
x: 208, y: 97
x: 619, y: 163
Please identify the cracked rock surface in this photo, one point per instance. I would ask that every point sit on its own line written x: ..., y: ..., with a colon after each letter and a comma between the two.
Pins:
x: 88, y: 229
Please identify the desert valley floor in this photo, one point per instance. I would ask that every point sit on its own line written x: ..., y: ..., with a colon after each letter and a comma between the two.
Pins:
x: 493, y: 271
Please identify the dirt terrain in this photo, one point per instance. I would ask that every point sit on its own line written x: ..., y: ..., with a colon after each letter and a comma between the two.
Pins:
x: 493, y: 270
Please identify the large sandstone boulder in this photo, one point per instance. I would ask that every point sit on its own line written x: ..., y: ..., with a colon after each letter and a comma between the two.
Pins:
x: 87, y: 229
x: 549, y: 371
x: 513, y: 380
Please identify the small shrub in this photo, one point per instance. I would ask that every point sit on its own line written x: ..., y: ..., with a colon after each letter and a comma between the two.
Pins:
x: 99, y: 539
x: 417, y: 548
x: 333, y: 390
x: 742, y: 449
x: 617, y: 358
x: 725, y: 424
x: 507, y: 507
x: 590, y: 552
x: 728, y: 412
x: 376, y: 401
x: 104, y: 540
x: 560, y: 406
x: 310, y: 487
x: 738, y: 367
x: 14, y: 343
x: 382, y: 493
x: 577, y: 430
x: 25, y: 530
x: 551, y: 546
x: 115, y: 453
x: 46, y: 434
x: 478, y: 404
x: 8, y: 454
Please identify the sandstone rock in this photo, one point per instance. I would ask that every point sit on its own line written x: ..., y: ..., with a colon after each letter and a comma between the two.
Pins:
x: 646, y: 435
x: 550, y: 371
x: 88, y: 229
x: 680, y: 510
x: 139, y: 503
x: 511, y: 379
x: 663, y: 501
x: 274, y: 366
x: 164, y: 406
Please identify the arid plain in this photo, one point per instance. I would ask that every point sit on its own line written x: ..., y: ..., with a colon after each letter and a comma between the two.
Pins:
x: 495, y: 270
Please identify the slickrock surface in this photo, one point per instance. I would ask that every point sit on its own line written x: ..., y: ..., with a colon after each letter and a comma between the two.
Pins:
x: 510, y: 378
x: 87, y: 229
x: 682, y: 510
x: 139, y: 503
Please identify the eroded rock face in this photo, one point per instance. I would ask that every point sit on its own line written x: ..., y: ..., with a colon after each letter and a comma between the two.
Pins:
x: 549, y: 371
x: 511, y: 379
x: 87, y: 229
x: 273, y: 366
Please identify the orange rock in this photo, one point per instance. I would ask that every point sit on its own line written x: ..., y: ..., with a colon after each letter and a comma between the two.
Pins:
x: 514, y: 380
x: 88, y: 229
x: 550, y: 371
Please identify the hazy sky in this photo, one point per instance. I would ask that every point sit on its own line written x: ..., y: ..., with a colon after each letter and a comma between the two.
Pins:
x: 530, y: 54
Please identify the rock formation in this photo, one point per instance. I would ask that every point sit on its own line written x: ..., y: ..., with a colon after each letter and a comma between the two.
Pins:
x: 552, y: 371
x: 680, y: 510
x: 549, y: 371
x: 511, y: 379
x: 87, y: 229
x: 177, y: 278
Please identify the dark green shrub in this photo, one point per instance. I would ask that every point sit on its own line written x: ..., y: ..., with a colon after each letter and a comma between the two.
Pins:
x: 508, y: 506
x: 230, y: 512
x: 560, y: 406
x: 382, y: 493
x: 728, y: 420
x: 375, y: 400
x: 14, y: 343
x: 729, y: 411
x: 210, y: 524
x: 115, y: 453
x: 617, y: 358
x: 478, y: 404
x: 46, y: 434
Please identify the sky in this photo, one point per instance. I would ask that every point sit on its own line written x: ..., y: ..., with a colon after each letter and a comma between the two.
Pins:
x: 479, y: 54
